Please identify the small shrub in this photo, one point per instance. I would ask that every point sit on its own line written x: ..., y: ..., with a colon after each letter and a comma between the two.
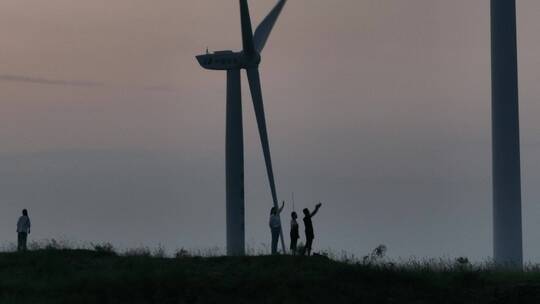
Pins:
x: 376, y: 256
x: 182, y: 253
x: 321, y: 254
x: 462, y: 263
x: 52, y: 245
x: 104, y: 248
x: 159, y: 252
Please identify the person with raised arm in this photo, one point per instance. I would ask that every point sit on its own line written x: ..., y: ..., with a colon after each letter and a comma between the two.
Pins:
x: 308, y: 225
x: 275, y: 226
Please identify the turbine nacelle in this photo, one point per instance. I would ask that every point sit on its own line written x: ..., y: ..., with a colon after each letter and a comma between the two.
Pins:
x: 228, y: 60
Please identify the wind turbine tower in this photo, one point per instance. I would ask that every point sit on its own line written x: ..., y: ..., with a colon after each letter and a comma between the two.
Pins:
x: 507, y: 229
x: 232, y: 62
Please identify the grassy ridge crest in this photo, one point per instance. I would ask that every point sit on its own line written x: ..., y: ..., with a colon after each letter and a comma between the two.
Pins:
x: 102, y: 276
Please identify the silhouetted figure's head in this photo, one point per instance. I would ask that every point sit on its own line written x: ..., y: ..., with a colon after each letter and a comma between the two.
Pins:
x: 25, y: 212
x: 273, y: 211
x: 306, y: 211
x: 293, y: 215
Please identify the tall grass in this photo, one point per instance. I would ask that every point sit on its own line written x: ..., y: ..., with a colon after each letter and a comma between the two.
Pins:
x: 67, y: 272
x: 375, y: 259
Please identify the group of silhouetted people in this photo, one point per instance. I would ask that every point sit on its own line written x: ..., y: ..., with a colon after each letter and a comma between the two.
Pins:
x: 23, y: 229
x: 275, y: 228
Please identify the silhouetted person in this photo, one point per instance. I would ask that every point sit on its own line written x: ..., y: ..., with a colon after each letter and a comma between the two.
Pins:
x: 309, y: 227
x: 294, y: 232
x: 275, y: 226
x: 23, y: 229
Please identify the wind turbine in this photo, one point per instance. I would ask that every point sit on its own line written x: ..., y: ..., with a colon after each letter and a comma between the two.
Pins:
x: 507, y: 228
x: 232, y: 62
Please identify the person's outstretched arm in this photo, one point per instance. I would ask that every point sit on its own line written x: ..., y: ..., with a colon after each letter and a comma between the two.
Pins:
x: 316, y: 209
x: 282, y: 205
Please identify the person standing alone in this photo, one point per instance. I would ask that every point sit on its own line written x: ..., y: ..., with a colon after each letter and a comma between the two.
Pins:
x: 310, y: 235
x: 23, y: 230
x: 275, y: 226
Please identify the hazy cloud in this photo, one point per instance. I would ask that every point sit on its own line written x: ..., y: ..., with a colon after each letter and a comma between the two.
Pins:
x: 76, y: 83
x: 40, y: 80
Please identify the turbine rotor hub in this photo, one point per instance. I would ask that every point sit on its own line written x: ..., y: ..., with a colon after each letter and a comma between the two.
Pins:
x: 251, y: 59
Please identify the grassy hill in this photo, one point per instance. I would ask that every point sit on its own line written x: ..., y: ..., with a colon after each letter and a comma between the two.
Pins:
x: 89, y: 276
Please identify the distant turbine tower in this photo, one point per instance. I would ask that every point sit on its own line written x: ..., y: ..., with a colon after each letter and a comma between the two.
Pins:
x: 507, y: 230
x: 232, y: 62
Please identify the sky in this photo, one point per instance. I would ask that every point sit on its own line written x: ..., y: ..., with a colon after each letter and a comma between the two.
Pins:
x: 111, y: 132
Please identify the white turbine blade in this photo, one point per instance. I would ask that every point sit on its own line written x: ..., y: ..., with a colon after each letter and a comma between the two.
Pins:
x: 265, y: 28
x: 256, y: 94
x: 247, y: 33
